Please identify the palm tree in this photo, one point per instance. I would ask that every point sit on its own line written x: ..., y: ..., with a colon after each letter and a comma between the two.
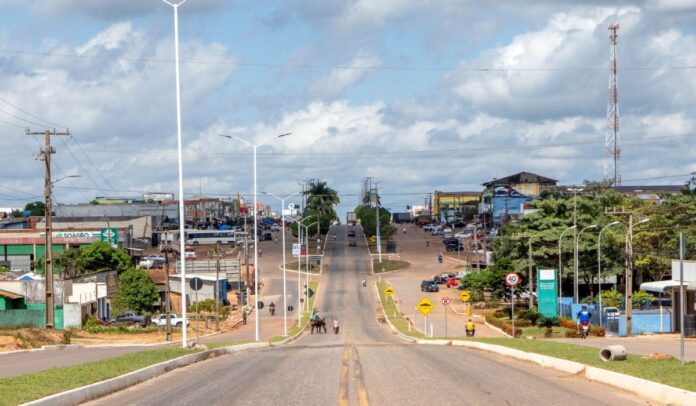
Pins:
x: 320, y: 202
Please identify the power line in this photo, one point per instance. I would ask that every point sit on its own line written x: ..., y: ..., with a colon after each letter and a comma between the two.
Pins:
x: 23, y: 119
x: 90, y: 161
x: 345, y: 67
x: 31, y: 115
x: 80, y: 164
x: 13, y: 125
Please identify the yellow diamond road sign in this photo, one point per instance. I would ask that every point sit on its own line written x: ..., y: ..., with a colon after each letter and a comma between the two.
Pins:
x: 465, y: 296
x: 425, y: 306
x: 389, y: 291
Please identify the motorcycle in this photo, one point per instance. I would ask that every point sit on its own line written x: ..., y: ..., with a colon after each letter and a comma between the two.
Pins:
x: 470, y: 333
x: 271, y: 310
x: 584, y: 329
x: 439, y: 258
x: 335, y: 329
x: 364, y: 282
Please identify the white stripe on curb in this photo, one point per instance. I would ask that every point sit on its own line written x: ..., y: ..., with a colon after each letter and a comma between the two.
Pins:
x: 648, y: 389
x: 103, y: 388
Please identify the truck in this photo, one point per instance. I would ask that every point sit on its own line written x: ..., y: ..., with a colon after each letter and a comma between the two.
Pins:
x: 131, y: 318
x: 401, y: 217
x: 350, y: 218
x: 423, y: 219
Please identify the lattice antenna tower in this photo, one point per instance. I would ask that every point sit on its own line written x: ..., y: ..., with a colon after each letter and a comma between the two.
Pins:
x: 612, y: 148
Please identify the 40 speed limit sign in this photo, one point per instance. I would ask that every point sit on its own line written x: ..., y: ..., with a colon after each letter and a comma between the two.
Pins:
x: 512, y: 279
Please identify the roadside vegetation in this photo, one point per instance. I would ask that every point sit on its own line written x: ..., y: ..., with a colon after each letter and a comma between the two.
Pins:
x: 305, y: 316
x: 25, y: 388
x: 666, y: 371
x: 389, y: 265
x: 393, y: 314
x: 292, y: 266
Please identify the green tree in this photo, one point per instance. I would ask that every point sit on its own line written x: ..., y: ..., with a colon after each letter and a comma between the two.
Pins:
x: 136, y: 290
x: 320, y: 202
x: 17, y: 214
x: 96, y: 257
x: 36, y: 208
x: 367, y: 216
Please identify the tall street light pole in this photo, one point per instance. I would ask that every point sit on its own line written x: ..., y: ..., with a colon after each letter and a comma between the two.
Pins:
x: 285, y: 293
x: 575, y: 191
x: 560, y: 265
x: 256, y: 225
x: 576, y: 272
x: 299, y: 266
x: 182, y: 216
x: 307, y: 260
x: 599, y: 268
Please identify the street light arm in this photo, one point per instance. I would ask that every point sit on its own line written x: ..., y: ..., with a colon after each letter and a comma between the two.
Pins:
x: 236, y: 138
x: 174, y: 4
x: 272, y: 138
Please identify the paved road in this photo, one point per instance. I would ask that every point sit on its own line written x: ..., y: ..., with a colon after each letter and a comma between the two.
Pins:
x: 21, y: 363
x: 363, y: 364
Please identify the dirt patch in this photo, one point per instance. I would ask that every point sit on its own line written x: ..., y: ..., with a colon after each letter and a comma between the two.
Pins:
x: 28, y: 338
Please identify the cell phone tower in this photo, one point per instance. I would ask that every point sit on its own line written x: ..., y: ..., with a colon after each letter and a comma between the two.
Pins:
x: 612, y: 149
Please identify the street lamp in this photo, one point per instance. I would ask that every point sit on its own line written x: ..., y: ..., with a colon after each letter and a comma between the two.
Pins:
x: 576, y: 290
x: 299, y: 264
x: 256, y: 235
x: 307, y: 259
x: 560, y: 265
x: 182, y: 216
x: 285, y: 294
x: 599, y: 267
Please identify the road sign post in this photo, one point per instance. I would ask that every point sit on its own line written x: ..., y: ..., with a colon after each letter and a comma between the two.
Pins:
x: 425, y: 306
x: 512, y: 279
x: 445, y: 302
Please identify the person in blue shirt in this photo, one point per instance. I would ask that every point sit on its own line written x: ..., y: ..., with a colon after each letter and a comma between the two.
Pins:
x: 584, y: 316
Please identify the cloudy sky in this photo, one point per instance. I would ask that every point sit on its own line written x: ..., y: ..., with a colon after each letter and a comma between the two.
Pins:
x: 420, y: 94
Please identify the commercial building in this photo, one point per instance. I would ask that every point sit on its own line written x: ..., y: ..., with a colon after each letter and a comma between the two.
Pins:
x: 451, y: 206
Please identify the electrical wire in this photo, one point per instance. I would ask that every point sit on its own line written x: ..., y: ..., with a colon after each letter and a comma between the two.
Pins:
x: 357, y: 68
x: 90, y: 161
x: 80, y: 164
x: 31, y: 115
x: 24, y: 119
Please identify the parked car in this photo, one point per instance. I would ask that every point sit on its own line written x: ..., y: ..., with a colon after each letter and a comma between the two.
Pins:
x: 266, y: 237
x: 428, y: 227
x: 352, y: 243
x: 436, y: 231
x: 429, y: 286
x: 612, y: 313
x: 454, y: 246
x: 175, y: 319
x: 447, y: 230
x: 459, y: 224
x: 152, y: 261
x: 464, y: 234
x: 452, y: 282
x: 351, y: 233
x: 438, y: 279
x: 190, y: 255
x: 131, y: 318
x: 275, y: 227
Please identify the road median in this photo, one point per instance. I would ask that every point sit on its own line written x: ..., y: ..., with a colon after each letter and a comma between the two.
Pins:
x: 663, y: 381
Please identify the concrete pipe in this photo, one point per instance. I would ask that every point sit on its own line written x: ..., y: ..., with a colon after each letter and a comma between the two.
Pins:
x: 613, y: 353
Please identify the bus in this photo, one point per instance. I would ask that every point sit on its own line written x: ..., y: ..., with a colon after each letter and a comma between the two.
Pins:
x: 209, y: 237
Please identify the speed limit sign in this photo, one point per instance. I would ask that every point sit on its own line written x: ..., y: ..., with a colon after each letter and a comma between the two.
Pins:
x: 512, y: 279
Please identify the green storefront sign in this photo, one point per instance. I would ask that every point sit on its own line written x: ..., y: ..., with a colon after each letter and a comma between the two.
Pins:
x: 109, y: 235
x: 548, y: 293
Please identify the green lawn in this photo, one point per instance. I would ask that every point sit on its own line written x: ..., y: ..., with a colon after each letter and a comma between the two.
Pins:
x: 220, y: 344
x: 388, y: 265
x: 25, y: 388
x: 669, y: 372
x: 390, y: 309
x: 292, y: 266
x: 305, y: 317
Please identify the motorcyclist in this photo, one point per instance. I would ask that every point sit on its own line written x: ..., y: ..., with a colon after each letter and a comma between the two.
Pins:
x: 404, y: 230
x: 364, y: 281
x: 271, y: 308
x: 335, y: 326
x: 584, y: 317
x: 470, y: 328
x: 315, y: 315
x: 439, y: 257
x: 334, y: 236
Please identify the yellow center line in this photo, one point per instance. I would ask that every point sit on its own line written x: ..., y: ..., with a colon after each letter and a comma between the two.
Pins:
x: 359, y: 381
x: 343, y: 381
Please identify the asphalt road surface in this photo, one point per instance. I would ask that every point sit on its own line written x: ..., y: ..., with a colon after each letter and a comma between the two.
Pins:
x: 364, y: 364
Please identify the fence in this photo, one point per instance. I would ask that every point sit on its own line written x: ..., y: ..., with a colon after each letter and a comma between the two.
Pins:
x: 16, y: 318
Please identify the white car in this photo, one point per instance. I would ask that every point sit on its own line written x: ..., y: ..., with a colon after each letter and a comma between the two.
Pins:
x: 464, y: 234
x: 447, y: 230
x: 428, y: 227
x: 151, y: 261
x: 275, y: 227
x: 190, y: 255
x: 175, y: 320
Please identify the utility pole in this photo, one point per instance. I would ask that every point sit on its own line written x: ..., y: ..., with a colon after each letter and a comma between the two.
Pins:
x: 45, y: 155
x: 217, y: 290
x: 379, y: 237
x: 629, y: 277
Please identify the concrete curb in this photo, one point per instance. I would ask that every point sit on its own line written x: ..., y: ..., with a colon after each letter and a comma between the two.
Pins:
x: 498, y: 329
x: 393, y: 329
x: 100, y: 389
x: 648, y: 389
x: 396, y: 270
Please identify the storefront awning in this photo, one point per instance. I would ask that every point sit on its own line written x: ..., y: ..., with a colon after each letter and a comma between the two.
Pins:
x: 664, y: 286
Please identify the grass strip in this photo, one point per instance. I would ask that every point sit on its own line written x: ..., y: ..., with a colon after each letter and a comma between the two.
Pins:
x: 24, y: 388
x: 305, y: 317
x: 393, y: 313
x: 389, y: 265
x: 220, y: 344
x: 666, y: 371
x: 313, y: 268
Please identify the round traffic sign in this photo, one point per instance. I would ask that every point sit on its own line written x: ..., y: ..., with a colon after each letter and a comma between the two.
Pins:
x: 445, y: 301
x: 196, y: 283
x: 512, y: 279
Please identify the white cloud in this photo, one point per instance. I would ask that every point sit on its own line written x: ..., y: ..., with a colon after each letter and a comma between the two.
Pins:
x: 359, y: 67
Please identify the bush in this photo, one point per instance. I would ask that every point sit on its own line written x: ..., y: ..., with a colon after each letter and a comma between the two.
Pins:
x: 567, y: 323
x: 502, y: 324
x: 532, y: 316
x: 612, y: 298
x: 642, y: 298
x: 548, y: 322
